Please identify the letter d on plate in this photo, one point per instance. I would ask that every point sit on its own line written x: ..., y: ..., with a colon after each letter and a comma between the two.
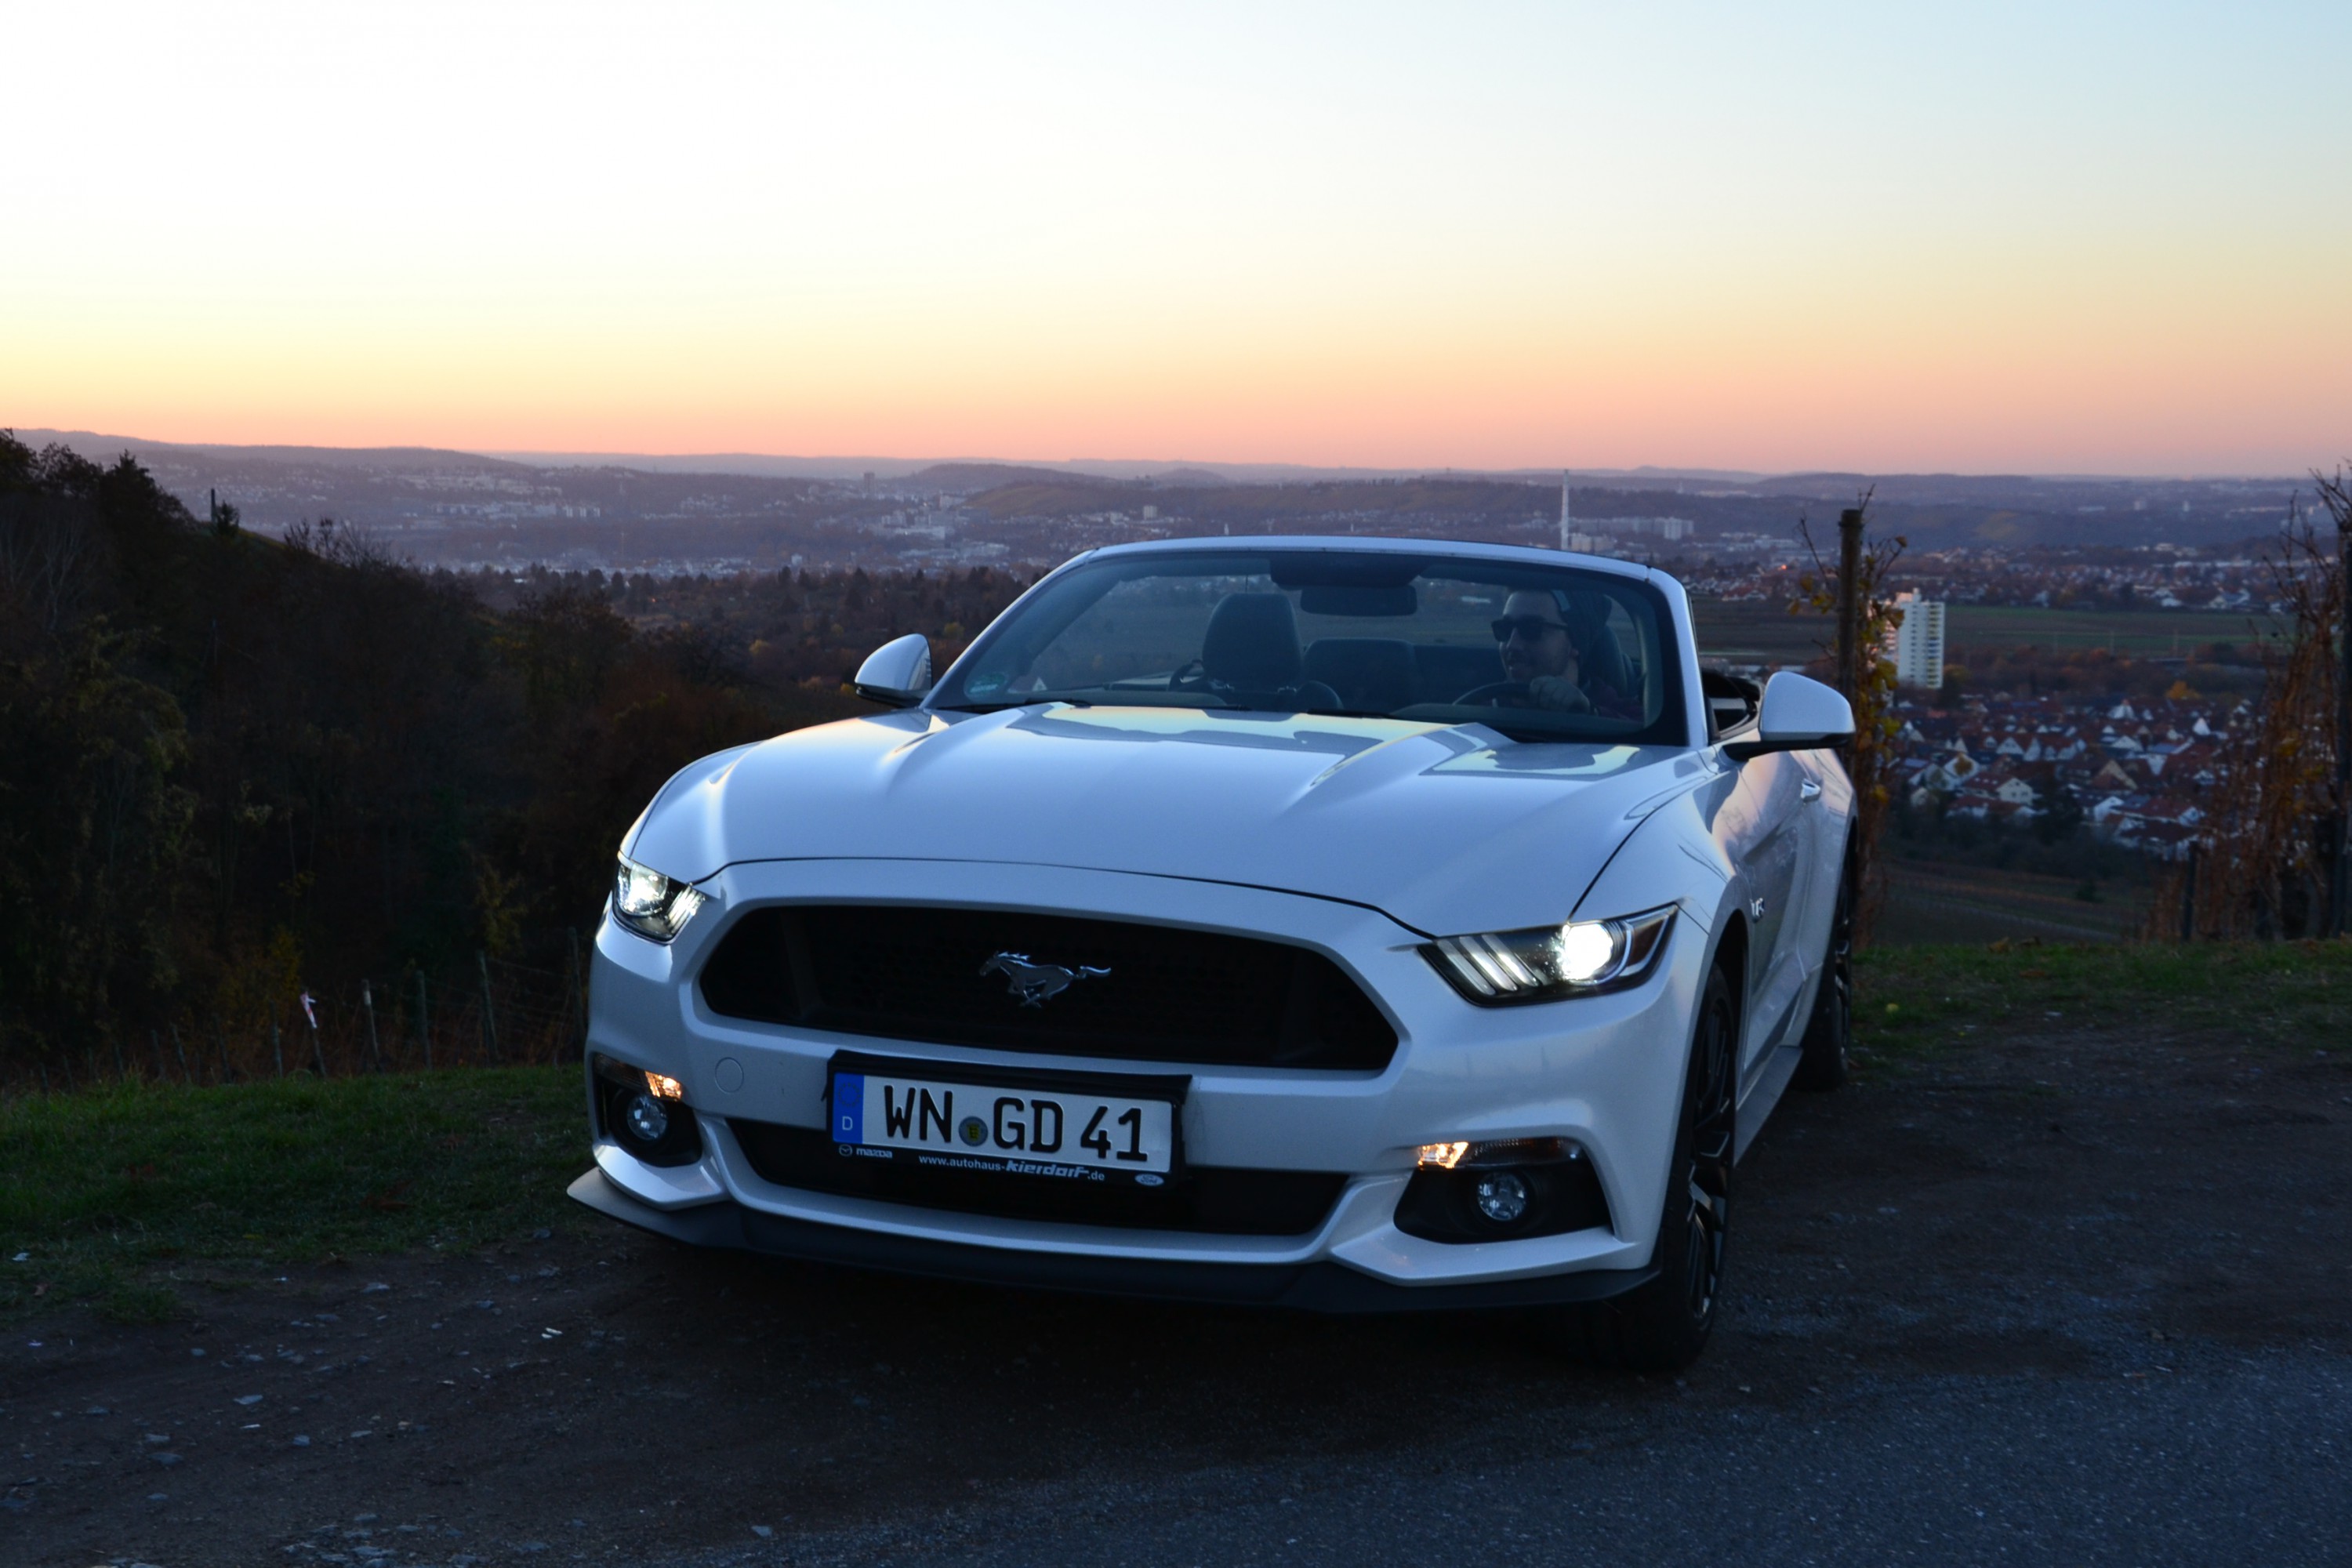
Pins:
x: 849, y: 1108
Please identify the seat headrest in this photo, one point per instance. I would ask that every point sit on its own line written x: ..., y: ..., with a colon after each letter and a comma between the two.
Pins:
x: 1252, y: 643
x: 1598, y: 654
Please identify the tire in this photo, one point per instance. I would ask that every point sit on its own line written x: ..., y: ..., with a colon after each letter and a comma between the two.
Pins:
x: 1821, y: 1063
x: 1665, y: 1325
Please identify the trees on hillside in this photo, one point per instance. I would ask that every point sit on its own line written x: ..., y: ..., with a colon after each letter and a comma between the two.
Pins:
x: 234, y: 767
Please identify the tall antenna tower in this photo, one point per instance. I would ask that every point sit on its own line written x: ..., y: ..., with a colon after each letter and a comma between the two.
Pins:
x: 1563, y: 509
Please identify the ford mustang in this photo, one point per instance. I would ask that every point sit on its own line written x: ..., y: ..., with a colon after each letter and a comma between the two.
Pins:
x: 1343, y: 924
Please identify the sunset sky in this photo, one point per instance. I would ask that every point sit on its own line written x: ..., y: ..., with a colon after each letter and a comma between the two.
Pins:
x: 2053, y: 237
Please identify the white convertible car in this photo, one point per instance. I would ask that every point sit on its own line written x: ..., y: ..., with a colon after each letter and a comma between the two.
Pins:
x: 1345, y: 924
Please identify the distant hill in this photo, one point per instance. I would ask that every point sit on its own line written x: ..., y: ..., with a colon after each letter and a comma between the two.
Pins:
x: 1063, y: 495
x: 758, y: 465
x: 679, y: 501
x: 101, y: 449
x: 967, y: 478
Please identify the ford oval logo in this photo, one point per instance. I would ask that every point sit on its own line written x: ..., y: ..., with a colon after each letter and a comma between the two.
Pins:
x: 1036, y: 982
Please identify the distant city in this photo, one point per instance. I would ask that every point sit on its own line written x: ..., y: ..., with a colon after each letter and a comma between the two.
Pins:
x: 1972, y: 538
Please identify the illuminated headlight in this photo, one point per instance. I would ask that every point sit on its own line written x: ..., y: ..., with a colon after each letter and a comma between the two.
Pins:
x: 651, y: 904
x: 1501, y: 968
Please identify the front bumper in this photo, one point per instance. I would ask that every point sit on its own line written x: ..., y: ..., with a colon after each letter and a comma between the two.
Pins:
x: 1604, y: 1072
x: 1315, y: 1286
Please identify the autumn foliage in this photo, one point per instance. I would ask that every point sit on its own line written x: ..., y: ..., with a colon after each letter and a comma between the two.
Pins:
x: 2262, y: 867
x: 234, y: 769
x: 1870, y: 757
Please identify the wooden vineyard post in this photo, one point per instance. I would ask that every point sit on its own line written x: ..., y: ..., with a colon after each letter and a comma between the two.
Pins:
x: 2188, y: 898
x: 578, y: 979
x: 2339, y: 892
x: 489, y: 1018
x: 367, y: 1006
x: 1849, y: 606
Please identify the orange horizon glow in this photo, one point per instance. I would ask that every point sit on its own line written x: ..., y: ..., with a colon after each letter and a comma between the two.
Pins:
x: 1527, y: 239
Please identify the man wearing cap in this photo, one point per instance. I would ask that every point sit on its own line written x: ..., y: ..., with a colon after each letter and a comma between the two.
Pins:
x: 1538, y: 648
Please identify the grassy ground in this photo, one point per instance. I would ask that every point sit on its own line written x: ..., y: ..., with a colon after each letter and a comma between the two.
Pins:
x: 1762, y: 631
x: 127, y: 1195
x: 2149, y: 633
x: 1936, y: 903
x: 138, y: 1199
x: 1912, y: 1002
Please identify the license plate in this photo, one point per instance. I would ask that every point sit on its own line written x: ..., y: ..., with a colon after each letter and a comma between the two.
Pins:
x: 1031, y: 1130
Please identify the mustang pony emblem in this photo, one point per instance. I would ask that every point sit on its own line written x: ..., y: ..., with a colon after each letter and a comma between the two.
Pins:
x: 1035, y: 983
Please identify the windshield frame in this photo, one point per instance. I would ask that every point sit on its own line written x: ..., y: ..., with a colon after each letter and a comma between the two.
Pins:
x: 1204, y: 557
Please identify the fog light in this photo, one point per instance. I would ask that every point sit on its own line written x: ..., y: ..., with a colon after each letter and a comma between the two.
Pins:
x: 647, y: 1117
x: 1499, y: 1152
x: 1502, y: 1198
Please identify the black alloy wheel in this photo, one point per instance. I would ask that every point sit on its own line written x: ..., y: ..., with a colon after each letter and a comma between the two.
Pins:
x: 1710, y: 1103
x: 1665, y: 1325
x: 1822, y: 1062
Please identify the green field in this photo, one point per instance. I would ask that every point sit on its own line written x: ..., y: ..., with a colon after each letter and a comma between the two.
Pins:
x: 138, y: 1199
x: 1932, y: 902
x: 1755, y: 631
x: 2280, y: 995
x: 126, y: 1195
x: 2142, y: 633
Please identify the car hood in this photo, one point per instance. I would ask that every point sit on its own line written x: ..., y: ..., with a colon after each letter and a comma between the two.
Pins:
x: 1444, y: 828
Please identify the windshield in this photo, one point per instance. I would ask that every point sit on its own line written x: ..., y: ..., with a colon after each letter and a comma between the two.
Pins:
x: 1537, y: 652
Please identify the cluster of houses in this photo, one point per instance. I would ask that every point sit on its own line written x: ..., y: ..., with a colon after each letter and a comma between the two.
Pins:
x: 2132, y: 771
x: 2153, y: 576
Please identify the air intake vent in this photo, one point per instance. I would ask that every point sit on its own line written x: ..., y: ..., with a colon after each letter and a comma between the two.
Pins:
x: 1217, y: 1201
x: 1155, y: 993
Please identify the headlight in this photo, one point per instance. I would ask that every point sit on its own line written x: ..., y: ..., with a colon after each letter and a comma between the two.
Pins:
x: 1548, y: 963
x: 651, y: 904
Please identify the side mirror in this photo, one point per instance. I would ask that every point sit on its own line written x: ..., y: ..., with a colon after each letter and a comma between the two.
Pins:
x: 1798, y: 714
x: 898, y: 673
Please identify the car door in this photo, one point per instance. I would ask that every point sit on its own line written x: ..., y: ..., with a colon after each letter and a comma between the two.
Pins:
x: 1826, y: 797
x: 1762, y: 829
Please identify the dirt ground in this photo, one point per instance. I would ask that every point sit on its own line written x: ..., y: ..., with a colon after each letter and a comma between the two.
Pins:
x: 2075, y: 1208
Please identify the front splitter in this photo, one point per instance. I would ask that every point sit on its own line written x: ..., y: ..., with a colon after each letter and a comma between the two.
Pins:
x: 1322, y: 1286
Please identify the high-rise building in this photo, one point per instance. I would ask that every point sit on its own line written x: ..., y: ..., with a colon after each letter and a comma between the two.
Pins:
x: 1917, y: 646
x: 1563, y: 510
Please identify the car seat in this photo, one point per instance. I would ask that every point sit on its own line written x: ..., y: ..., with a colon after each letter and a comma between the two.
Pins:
x: 1250, y: 655
x: 1252, y: 643
x: 1599, y: 655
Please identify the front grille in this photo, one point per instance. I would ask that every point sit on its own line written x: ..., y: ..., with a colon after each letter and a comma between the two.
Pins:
x: 1164, y: 995
x: 1219, y: 1200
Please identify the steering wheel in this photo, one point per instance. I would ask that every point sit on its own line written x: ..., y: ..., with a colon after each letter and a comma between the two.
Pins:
x: 1312, y: 694
x: 1498, y: 694
x: 1191, y: 676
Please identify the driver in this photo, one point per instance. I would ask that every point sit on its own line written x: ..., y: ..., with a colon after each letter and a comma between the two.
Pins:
x: 1538, y: 649
x: 1539, y: 646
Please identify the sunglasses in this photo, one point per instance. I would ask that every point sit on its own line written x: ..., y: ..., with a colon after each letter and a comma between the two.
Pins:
x: 1527, y: 628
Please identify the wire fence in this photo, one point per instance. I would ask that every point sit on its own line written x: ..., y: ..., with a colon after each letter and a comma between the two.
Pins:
x: 503, y: 1012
